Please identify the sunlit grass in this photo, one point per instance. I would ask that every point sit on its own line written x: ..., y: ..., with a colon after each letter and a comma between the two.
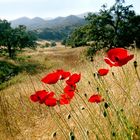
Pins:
x: 116, y: 118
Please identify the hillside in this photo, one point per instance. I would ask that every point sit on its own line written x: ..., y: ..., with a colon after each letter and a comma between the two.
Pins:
x: 54, y: 29
x: 116, y: 117
x: 40, y: 23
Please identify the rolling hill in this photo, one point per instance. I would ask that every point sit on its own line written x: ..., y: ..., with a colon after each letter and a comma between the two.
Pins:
x: 40, y: 23
x: 54, y: 29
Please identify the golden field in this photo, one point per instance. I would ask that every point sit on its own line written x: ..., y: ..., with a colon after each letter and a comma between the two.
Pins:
x: 116, y: 118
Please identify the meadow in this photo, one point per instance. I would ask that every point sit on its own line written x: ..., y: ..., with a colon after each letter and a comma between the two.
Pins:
x: 116, y: 117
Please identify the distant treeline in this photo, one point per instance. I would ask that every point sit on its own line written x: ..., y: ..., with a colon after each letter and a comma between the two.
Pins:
x: 117, y: 26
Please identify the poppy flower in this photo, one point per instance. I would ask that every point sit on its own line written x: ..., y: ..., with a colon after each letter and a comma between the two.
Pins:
x: 73, y: 79
x: 63, y: 74
x: 50, y: 102
x: 50, y: 94
x: 34, y: 98
x: 103, y: 72
x: 96, y: 98
x: 118, y: 57
x: 42, y: 95
x: 64, y: 99
x: 39, y: 96
x: 70, y: 94
x: 51, y: 78
x: 69, y: 88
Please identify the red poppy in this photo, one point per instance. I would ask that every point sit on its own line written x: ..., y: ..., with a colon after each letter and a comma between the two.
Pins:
x: 42, y: 95
x: 103, y: 72
x: 96, y: 99
x: 69, y: 88
x: 51, y: 78
x: 73, y: 79
x: 118, y: 57
x: 50, y: 94
x: 63, y: 74
x: 50, y: 102
x: 64, y: 99
x: 34, y: 98
x: 39, y: 96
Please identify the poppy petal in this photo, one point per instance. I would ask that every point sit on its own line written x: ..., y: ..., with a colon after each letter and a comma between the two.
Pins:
x: 51, y: 78
x: 34, y: 98
x: 50, y: 102
x: 109, y: 62
x: 73, y: 79
x: 118, y: 57
x: 42, y: 95
x: 103, y: 72
x: 63, y: 74
x: 64, y: 100
x: 96, y: 99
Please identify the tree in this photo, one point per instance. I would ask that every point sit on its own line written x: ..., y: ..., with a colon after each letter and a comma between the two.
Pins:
x: 116, y: 26
x: 77, y: 37
x: 14, y: 39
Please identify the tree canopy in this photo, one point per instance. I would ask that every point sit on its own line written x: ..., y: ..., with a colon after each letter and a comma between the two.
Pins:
x: 116, y: 26
x: 16, y: 38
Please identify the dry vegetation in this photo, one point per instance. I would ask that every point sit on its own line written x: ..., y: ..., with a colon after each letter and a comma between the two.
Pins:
x: 116, y: 118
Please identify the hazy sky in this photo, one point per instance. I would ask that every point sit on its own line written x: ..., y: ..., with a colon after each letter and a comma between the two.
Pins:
x: 12, y: 9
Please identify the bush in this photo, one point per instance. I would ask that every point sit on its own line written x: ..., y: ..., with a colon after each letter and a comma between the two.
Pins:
x: 7, y: 70
x: 53, y: 44
x: 46, y: 45
x: 94, y: 47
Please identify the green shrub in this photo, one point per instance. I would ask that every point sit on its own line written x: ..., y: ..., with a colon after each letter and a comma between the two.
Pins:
x: 94, y: 47
x: 7, y: 70
x: 53, y: 44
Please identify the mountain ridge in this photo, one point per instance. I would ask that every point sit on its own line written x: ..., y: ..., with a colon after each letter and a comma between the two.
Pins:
x: 38, y: 22
x: 58, y: 28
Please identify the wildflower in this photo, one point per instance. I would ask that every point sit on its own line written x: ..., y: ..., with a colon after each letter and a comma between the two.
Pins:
x: 73, y: 79
x: 63, y: 74
x: 51, y: 78
x: 34, y: 98
x: 50, y: 101
x: 96, y: 98
x: 69, y: 88
x: 44, y: 97
x: 103, y: 72
x: 64, y: 99
x: 39, y: 96
x: 118, y: 57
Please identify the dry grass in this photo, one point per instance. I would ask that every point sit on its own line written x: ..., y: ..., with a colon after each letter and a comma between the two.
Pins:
x: 21, y: 119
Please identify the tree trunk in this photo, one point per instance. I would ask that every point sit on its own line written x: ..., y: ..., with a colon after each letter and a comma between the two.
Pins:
x: 10, y: 51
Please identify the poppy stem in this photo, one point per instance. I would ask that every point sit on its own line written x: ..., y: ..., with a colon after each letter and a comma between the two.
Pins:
x: 137, y: 74
x: 59, y: 125
x: 63, y: 120
x: 90, y: 113
x: 84, y: 116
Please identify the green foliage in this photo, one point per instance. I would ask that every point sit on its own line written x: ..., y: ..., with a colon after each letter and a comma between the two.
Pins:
x: 46, y: 45
x: 94, y: 47
x: 53, y: 43
x: 14, y: 39
x: 7, y: 70
x: 26, y: 64
x: 117, y: 26
x: 78, y: 37
x: 21, y: 64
